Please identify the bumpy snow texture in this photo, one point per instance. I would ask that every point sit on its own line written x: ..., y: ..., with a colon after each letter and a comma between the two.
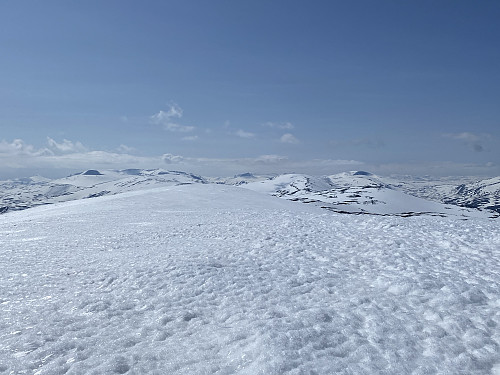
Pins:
x: 210, y: 279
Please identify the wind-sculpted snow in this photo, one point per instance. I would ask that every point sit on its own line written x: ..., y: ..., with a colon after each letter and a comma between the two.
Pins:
x: 211, y: 279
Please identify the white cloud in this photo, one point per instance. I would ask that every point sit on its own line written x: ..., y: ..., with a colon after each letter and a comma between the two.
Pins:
x: 19, y: 159
x: 178, y: 128
x: 190, y: 138
x: 17, y: 146
x: 243, y: 134
x: 464, y: 136
x: 289, y: 138
x: 172, y: 159
x: 174, y: 111
x: 65, y: 146
x: 160, y: 118
x: 279, y: 125
x: 166, y: 119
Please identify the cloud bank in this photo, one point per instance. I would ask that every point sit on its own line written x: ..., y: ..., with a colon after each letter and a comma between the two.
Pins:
x: 60, y: 158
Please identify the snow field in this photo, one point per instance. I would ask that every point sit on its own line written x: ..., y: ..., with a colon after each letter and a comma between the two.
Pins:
x: 209, y: 279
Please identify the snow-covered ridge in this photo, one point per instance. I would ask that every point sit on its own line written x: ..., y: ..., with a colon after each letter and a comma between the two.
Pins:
x: 481, y: 194
x: 25, y: 193
x: 356, y: 192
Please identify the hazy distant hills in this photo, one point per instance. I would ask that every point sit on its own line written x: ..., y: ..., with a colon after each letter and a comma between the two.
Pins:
x: 356, y: 192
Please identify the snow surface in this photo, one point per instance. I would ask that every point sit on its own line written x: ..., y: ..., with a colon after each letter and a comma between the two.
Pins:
x: 212, y: 279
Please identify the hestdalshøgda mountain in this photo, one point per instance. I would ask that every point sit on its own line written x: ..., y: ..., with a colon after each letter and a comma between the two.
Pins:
x: 361, y: 192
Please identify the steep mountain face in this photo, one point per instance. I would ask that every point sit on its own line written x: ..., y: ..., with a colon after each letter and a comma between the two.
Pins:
x: 483, y: 194
x: 26, y: 193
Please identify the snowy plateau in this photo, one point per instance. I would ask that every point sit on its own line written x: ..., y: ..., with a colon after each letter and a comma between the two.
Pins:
x: 158, y: 272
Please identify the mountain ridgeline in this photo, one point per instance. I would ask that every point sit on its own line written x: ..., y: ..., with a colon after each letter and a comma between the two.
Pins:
x: 356, y: 192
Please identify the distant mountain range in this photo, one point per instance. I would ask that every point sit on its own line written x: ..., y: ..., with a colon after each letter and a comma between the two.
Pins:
x: 361, y: 192
x: 483, y: 194
x: 356, y: 192
x: 29, y: 192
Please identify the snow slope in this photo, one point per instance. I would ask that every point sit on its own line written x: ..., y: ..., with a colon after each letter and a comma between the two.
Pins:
x: 26, y: 193
x: 212, y: 279
x: 358, y: 192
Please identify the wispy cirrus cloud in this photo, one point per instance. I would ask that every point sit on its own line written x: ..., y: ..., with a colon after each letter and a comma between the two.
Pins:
x: 279, y: 125
x: 167, y: 119
x: 244, y: 134
x: 191, y: 138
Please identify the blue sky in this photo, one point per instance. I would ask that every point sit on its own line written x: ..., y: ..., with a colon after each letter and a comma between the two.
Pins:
x: 223, y: 87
